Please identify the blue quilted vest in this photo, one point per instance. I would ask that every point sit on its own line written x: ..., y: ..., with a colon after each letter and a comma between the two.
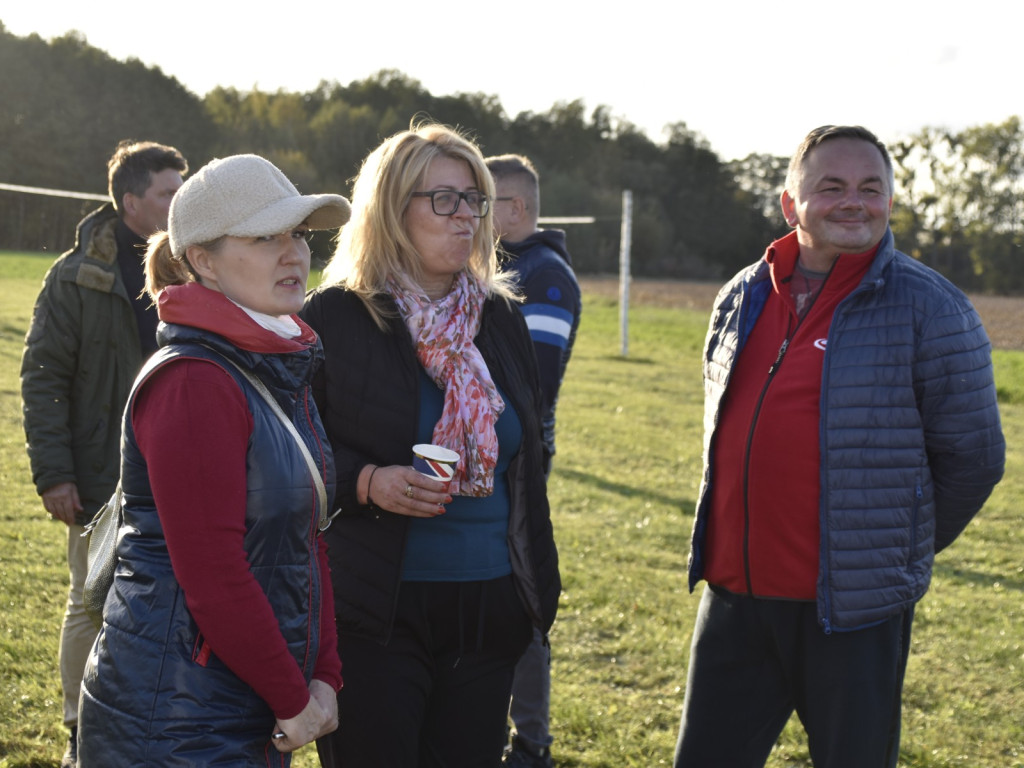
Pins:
x: 153, y: 693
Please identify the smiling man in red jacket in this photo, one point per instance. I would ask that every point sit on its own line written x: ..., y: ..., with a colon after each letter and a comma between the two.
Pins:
x: 851, y: 432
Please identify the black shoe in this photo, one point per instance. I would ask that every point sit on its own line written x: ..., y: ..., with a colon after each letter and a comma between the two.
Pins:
x: 70, y: 759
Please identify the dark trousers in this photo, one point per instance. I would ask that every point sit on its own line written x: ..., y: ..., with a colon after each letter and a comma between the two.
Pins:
x: 436, y: 696
x: 754, y: 662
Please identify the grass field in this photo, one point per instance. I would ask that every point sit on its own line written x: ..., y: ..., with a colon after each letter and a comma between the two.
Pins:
x: 623, y: 493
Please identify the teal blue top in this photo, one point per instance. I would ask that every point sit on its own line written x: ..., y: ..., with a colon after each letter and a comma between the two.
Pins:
x: 468, y: 542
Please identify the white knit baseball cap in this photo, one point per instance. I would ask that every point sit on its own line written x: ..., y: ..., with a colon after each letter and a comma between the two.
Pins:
x: 245, y: 196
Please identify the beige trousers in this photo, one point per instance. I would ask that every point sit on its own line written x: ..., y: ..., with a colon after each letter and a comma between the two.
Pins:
x: 77, y: 633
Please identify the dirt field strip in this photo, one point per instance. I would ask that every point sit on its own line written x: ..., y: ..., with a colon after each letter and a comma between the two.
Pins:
x: 1003, y: 316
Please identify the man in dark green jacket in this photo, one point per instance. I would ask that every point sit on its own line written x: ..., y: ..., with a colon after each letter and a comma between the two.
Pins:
x: 89, y: 335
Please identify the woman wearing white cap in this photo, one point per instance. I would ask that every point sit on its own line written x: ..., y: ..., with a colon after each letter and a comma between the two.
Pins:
x: 218, y: 644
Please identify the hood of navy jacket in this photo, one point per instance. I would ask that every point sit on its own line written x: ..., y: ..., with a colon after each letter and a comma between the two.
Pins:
x: 552, y: 238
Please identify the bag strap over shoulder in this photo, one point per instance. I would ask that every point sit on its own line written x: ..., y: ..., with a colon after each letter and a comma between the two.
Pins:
x: 325, y: 518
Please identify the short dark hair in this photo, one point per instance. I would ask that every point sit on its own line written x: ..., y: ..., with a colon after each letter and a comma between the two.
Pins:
x: 131, y: 166
x: 826, y: 133
x: 517, y: 166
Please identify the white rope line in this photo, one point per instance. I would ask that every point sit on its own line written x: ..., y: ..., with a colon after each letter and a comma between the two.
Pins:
x: 104, y: 198
x: 54, y: 192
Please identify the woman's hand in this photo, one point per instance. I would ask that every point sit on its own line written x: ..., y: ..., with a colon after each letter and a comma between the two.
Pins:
x: 328, y: 700
x: 319, y: 718
x: 405, y: 491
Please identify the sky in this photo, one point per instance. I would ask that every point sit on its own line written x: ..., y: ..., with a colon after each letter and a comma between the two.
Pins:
x: 746, y: 75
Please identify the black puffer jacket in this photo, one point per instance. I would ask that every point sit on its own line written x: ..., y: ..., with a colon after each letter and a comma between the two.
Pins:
x: 368, y: 397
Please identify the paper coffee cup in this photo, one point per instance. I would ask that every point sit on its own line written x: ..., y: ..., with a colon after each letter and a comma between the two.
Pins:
x: 434, y: 461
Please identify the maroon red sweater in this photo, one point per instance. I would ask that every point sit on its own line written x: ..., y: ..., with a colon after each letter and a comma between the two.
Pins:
x: 763, y: 531
x: 206, y: 549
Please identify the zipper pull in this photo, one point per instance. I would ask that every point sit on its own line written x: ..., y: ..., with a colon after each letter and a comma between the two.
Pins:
x: 778, y: 359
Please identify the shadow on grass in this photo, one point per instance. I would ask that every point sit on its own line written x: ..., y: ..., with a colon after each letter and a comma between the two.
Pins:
x: 1008, y: 396
x: 979, y: 579
x: 592, y: 480
x: 627, y: 359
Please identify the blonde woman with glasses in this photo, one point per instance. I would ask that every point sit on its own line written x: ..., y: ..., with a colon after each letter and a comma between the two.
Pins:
x: 438, y: 585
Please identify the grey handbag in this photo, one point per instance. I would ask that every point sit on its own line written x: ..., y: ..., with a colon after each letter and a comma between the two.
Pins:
x: 102, y: 556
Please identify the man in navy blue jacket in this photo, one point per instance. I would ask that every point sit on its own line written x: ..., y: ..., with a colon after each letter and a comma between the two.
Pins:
x: 851, y: 432
x: 552, y: 310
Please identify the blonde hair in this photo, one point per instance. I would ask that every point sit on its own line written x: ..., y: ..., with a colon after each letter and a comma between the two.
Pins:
x: 375, y: 246
x: 163, y: 268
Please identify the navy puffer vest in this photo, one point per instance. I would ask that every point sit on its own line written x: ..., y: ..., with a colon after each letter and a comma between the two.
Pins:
x: 153, y: 693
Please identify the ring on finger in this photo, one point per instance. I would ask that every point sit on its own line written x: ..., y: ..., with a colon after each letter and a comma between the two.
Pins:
x: 409, y: 491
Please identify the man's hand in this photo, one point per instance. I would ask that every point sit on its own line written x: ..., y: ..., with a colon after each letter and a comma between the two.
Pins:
x: 62, y: 502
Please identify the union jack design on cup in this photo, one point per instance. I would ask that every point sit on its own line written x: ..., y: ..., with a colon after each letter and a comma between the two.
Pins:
x: 438, y: 469
x: 434, y: 461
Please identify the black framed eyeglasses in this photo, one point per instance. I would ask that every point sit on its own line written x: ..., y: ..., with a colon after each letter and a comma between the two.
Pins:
x: 445, y: 202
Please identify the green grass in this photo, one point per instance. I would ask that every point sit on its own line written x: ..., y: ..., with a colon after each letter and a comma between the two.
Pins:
x: 622, y: 493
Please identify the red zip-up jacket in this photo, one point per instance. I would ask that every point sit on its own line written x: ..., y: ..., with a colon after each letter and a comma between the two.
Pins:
x: 763, y: 532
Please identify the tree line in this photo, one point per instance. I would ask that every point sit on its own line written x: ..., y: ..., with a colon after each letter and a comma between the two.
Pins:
x: 64, y: 105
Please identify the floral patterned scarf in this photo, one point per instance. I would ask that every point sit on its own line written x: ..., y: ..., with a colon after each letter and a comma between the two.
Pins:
x: 443, y: 332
